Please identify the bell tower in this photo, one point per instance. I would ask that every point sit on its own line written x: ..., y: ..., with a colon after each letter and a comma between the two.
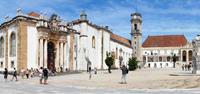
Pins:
x: 136, y: 35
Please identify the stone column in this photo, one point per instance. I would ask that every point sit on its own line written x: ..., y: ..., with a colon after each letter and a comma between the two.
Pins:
x: 61, y: 54
x: 45, y: 53
x: 41, y: 52
x: 37, y: 53
x: 187, y: 57
x: 65, y: 56
x: 57, y: 54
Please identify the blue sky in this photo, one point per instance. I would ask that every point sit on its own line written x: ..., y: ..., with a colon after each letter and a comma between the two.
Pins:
x: 160, y: 17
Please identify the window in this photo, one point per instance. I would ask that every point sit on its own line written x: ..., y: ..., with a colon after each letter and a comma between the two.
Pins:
x: 1, y: 65
x: 93, y: 42
x: 190, y: 55
x: 1, y: 47
x: 12, y: 64
x: 12, y: 45
x: 168, y: 58
x: 160, y: 59
x: 135, y: 27
x: 116, y: 53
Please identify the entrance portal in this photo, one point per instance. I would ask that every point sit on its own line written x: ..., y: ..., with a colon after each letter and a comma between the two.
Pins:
x: 51, y: 56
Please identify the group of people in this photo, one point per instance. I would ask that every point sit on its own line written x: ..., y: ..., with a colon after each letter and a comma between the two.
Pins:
x: 123, y: 68
x: 14, y: 74
x: 187, y: 67
x: 43, y: 73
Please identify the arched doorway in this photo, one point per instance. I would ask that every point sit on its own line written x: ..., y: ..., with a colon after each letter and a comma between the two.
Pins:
x: 51, y: 56
x: 190, y: 55
x: 184, y: 54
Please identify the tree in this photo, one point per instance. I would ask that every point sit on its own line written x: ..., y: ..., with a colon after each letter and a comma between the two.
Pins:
x: 133, y: 63
x: 109, y: 61
x: 174, y: 60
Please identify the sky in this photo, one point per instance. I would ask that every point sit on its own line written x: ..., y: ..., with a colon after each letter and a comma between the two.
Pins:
x: 160, y: 17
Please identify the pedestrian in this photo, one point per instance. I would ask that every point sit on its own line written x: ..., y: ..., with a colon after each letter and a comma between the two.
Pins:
x: 5, y: 74
x: 27, y: 73
x: 124, y: 73
x: 90, y: 72
x: 95, y: 70
x: 14, y: 75
x: 45, y: 73
x: 41, y: 74
x: 22, y: 73
x: 183, y: 66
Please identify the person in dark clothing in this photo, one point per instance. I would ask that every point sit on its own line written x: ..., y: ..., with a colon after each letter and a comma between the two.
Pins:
x: 45, y: 74
x: 124, y: 73
x: 14, y: 75
x: 5, y: 74
x: 90, y: 72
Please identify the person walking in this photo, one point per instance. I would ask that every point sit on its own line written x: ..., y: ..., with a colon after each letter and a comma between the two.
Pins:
x: 90, y: 72
x: 124, y: 73
x: 14, y: 75
x: 27, y: 73
x: 5, y: 74
x: 45, y: 73
x: 41, y: 74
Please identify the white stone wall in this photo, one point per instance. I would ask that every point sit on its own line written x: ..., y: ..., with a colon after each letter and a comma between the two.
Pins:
x: 126, y: 52
x: 12, y: 29
x: 3, y: 34
x: 32, y: 40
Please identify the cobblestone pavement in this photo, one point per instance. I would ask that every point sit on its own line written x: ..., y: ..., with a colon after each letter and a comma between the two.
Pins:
x: 146, y: 81
x: 24, y: 88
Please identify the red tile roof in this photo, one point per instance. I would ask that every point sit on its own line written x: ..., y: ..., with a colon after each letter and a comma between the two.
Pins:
x: 34, y: 14
x: 165, y: 41
x: 120, y: 40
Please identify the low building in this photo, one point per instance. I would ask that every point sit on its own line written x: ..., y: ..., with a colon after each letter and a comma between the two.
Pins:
x: 158, y: 51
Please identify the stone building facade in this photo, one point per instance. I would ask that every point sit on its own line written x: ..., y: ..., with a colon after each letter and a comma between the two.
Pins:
x: 33, y: 40
x: 158, y: 51
x: 196, y: 55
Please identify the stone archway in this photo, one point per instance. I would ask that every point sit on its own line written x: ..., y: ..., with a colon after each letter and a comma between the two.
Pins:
x: 184, y: 56
x: 190, y: 55
x: 51, y: 56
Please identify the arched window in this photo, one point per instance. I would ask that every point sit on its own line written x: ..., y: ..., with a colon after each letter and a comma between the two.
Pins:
x: 168, y: 58
x: 135, y: 27
x: 116, y: 53
x: 190, y: 55
x: 184, y: 56
x: 160, y: 59
x: 93, y: 42
x: 1, y: 47
x: 13, y: 45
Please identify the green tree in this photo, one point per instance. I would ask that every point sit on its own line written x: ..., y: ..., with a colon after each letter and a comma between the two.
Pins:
x: 133, y: 63
x: 109, y: 61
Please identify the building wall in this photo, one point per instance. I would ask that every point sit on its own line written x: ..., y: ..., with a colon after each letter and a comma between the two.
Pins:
x: 13, y: 29
x: 32, y: 41
x: 164, y: 52
x: 126, y: 53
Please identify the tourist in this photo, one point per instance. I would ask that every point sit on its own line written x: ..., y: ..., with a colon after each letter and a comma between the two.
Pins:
x: 41, y: 74
x: 183, y: 66
x: 95, y: 70
x: 5, y: 74
x: 31, y: 72
x: 90, y: 72
x: 22, y: 73
x: 14, y: 75
x: 124, y: 73
x: 27, y: 73
x: 45, y: 73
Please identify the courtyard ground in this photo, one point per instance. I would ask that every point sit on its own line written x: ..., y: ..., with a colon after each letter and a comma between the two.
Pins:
x: 151, y: 81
